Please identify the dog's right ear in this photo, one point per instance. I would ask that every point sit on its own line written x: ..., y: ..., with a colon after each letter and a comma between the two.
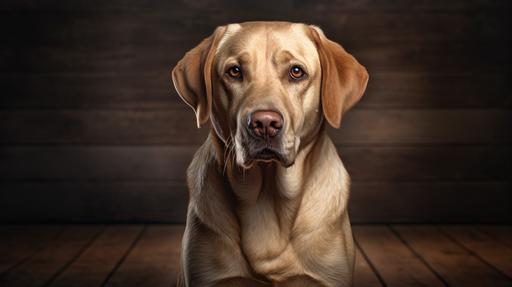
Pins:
x: 192, y: 76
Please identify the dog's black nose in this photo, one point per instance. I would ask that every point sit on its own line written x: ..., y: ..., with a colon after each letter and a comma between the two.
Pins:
x: 265, y: 124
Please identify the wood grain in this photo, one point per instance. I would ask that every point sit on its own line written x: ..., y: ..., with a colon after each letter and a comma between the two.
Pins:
x: 93, y: 266
x: 137, y: 90
x: 166, y: 202
x: 177, y: 126
x: 397, y: 265
x: 151, y: 41
x: 452, y: 262
x: 483, y: 246
x: 89, y: 202
x: 430, y: 202
x: 147, y: 256
x: 319, y: 6
x: 153, y: 261
x: 91, y: 129
x: 501, y: 233
x: 364, y: 276
x: 18, y: 243
x: 367, y: 163
x: 41, y: 268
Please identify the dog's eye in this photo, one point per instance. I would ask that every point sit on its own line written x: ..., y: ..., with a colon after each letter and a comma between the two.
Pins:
x: 235, y: 72
x: 296, y: 72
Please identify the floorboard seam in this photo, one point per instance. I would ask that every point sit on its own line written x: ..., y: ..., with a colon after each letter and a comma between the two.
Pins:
x: 374, y: 269
x: 124, y: 256
x: 37, y: 250
x: 493, y: 236
x: 75, y: 257
x: 471, y: 252
x: 423, y: 260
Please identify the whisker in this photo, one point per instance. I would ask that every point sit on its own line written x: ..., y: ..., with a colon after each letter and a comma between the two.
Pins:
x: 230, y: 147
x: 226, y: 154
x: 231, y: 154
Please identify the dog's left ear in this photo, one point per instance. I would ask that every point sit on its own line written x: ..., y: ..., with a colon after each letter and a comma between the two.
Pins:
x: 344, y: 80
x: 192, y: 76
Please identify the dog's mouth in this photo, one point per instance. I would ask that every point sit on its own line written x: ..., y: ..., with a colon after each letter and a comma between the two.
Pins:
x: 267, y: 151
x: 268, y: 155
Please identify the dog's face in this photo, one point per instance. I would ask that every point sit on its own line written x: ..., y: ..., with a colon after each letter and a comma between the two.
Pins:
x: 266, y: 86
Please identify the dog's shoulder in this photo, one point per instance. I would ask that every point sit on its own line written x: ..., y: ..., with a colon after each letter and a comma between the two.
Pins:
x: 202, y: 162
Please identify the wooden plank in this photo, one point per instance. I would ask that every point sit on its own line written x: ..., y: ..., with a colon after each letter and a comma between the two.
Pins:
x: 96, y: 163
x: 393, y: 52
x: 48, y: 262
x: 18, y: 243
x: 92, y: 31
x: 127, y: 90
x: 178, y: 126
x: 393, y: 57
x: 170, y: 126
x: 319, y: 6
x: 90, y: 202
x: 364, y: 276
x: 166, y: 202
x: 424, y: 127
x: 483, y: 246
x: 436, y: 90
x: 96, y: 263
x: 397, y: 265
x: 93, y: 6
x: 452, y: 262
x: 143, y: 28
x: 153, y: 261
x: 145, y: 90
x: 430, y: 202
x: 118, y: 42
x: 501, y: 233
x: 427, y: 163
x: 458, y: 25
x: 364, y: 163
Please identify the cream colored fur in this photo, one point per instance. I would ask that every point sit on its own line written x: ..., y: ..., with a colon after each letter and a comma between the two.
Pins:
x: 254, y: 223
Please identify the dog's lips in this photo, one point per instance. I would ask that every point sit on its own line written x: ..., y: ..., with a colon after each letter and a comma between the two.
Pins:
x: 264, y: 151
x: 266, y: 154
x: 269, y: 155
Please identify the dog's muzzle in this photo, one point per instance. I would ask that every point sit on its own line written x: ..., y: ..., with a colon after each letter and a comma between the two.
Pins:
x: 264, y: 137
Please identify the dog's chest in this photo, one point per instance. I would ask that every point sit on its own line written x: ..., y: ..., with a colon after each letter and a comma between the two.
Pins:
x: 265, y: 235
x: 268, y: 204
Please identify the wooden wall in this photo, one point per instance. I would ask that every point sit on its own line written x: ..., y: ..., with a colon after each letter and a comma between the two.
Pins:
x: 91, y: 130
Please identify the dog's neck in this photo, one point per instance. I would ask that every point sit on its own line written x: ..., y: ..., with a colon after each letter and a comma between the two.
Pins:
x: 268, y: 185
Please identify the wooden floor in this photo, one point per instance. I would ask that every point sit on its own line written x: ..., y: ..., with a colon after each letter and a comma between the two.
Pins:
x: 146, y: 255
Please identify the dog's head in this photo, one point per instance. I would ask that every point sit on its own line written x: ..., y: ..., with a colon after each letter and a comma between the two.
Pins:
x: 267, y: 86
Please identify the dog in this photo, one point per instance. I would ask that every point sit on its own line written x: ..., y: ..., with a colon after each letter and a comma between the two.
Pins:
x: 268, y: 191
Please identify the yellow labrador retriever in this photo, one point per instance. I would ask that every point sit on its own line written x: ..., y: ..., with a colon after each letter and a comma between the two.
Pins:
x: 268, y: 192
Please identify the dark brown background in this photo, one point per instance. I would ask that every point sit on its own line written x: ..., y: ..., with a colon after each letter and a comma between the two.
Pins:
x: 92, y: 131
